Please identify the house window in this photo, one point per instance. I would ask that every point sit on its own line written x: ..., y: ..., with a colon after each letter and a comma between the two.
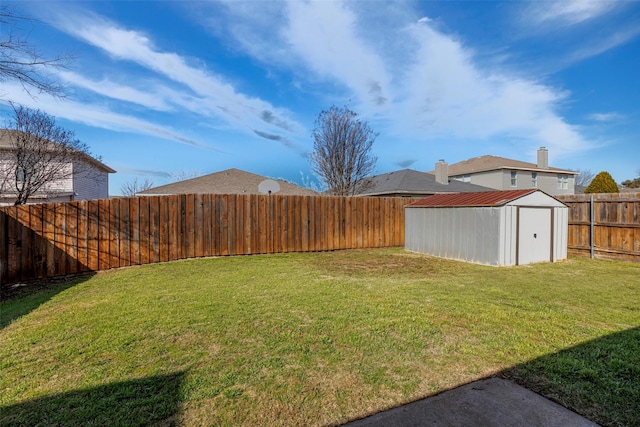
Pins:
x: 534, y: 180
x: 466, y: 178
x: 20, y: 174
x: 514, y: 178
x: 563, y: 182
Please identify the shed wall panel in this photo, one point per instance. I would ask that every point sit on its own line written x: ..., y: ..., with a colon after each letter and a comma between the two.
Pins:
x: 508, y: 241
x: 561, y: 233
x: 536, y: 199
x: 470, y: 234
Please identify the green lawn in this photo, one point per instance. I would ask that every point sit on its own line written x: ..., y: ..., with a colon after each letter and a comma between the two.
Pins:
x: 316, y: 339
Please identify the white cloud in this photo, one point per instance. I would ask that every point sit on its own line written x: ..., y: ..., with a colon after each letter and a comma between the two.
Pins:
x: 568, y: 12
x: 605, y: 117
x: 431, y: 83
x: 108, y: 88
x: 93, y: 115
x: 603, y: 44
x: 446, y: 93
x: 422, y: 85
x: 216, y: 96
x: 325, y: 36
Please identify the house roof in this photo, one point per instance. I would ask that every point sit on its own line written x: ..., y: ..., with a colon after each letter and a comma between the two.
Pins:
x: 412, y: 182
x: 488, y: 163
x: 481, y: 199
x: 7, y: 145
x: 230, y: 181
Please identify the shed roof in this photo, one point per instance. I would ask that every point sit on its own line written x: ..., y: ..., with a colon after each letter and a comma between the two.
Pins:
x: 479, y: 199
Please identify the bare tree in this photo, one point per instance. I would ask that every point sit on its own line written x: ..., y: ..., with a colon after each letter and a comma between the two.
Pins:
x: 584, y: 177
x: 132, y: 187
x: 183, y: 174
x: 39, y: 155
x: 20, y: 61
x: 342, y: 156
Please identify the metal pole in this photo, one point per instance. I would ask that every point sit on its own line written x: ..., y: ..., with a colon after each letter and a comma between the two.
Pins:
x: 593, y: 219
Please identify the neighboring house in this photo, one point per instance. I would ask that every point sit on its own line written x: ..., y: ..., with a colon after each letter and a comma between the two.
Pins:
x: 85, y: 178
x: 412, y: 183
x: 230, y: 181
x: 507, y: 174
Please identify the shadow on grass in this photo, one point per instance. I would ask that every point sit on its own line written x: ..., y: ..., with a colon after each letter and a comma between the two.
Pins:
x: 19, y: 300
x: 598, y: 379
x: 148, y: 401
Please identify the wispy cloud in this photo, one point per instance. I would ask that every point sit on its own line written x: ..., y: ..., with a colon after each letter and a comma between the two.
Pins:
x: 570, y: 31
x: 215, y: 95
x: 603, y: 44
x: 144, y: 172
x: 93, y: 115
x: 439, y: 89
x: 108, y: 88
x: 424, y: 84
x: 446, y: 93
x: 324, y: 35
x: 568, y: 12
x: 605, y: 117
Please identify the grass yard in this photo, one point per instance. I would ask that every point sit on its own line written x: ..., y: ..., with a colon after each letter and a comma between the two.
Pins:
x: 316, y: 339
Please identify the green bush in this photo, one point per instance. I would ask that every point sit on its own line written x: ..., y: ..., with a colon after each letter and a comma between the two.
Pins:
x: 602, y: 183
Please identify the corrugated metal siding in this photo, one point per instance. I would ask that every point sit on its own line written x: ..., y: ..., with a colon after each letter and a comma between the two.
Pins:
x: 561, y: 233
x: 469, y: 234
x: 484, y: 235
x: 508, y: 236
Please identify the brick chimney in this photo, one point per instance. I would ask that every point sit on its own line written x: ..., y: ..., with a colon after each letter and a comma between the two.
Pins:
x: 543, y: 158
x: 442, y: 172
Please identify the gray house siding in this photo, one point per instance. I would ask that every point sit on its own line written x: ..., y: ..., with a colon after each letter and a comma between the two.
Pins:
x: 501, y: 180
x: 90, y: 183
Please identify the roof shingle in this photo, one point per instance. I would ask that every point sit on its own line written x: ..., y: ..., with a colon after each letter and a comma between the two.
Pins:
x: 230, y: 181
x: 412, y: 182
x: 487, y: 163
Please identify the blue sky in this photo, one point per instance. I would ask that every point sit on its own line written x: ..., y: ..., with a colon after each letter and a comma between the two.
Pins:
x: 163, y: 88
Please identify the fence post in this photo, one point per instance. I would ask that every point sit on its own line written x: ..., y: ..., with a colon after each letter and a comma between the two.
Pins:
x: 592, y: 226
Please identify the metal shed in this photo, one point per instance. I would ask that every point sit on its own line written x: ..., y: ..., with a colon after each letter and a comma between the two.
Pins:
x: 514, y: 227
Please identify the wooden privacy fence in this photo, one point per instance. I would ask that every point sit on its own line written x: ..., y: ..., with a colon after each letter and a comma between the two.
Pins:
x: 605, y: 225
x: 48, y: 240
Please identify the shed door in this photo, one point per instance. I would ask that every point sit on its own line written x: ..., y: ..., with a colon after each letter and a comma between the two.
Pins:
x: 534, y: 235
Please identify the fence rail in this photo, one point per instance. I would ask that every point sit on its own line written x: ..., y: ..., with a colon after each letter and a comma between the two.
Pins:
x: 605, y: 225
x: 48, y: 240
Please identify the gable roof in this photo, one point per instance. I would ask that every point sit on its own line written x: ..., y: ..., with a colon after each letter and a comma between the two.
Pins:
x: 411, y: 182
x: 7, y: 145
x: 488, y: 163
x: 481, y: 199
x: 229, y: 181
